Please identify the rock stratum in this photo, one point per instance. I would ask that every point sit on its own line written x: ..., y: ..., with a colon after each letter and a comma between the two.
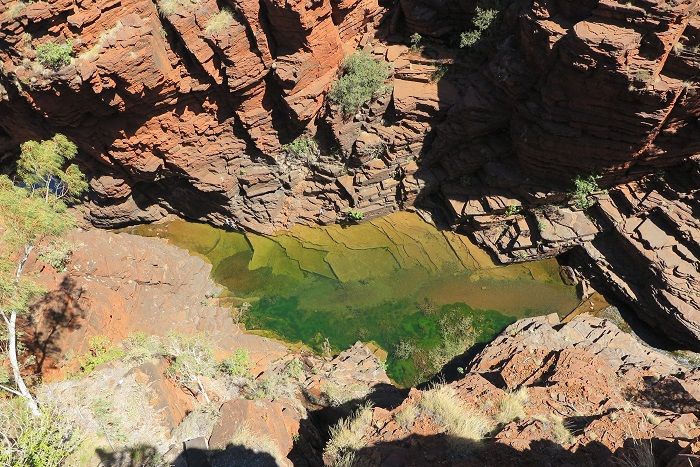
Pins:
x: 175, y: 115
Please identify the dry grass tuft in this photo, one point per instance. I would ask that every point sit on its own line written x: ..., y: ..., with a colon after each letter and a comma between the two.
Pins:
x: 406, y: 416
x: 512, y: 406
x: 219, y: 22
x: 442, y: 403
x: 641, y: 454
x: 168, y: 7
x: 347, y: 436
x: 257, y: 443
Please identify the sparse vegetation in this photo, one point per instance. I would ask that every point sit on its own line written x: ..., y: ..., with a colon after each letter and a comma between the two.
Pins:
x: 338, y: 394
x: 237, y: 364
x: 457, y: 335
x: 440, y: 71
x: 415, y: 40
x: 347, y: 437
x: 304, y: 148
x: 512, y: 406
x: 640, y: 454
x: 404, y: 350
x: 466, y: 426
x: 362, y: 79
x: 481, y: 22
x: 104, y: 38
x: 15, y: 9
x: 219, y: 22
x: 191, y: 358
x: 355, y: 215
x: 406, y: 416
x: 56, y: 253
x: 31, y: 441
x: 560, y: 432
x: 295, y: 369
x: 257, y: 443
x: 139, y: 347
x: 100, y: 351
x: 584, y: 187
x: 512, y: 210
x: 168, y: 7
x: 53, y: 55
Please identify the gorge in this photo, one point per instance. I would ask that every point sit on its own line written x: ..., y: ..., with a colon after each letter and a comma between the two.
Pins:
x: 293, y: 149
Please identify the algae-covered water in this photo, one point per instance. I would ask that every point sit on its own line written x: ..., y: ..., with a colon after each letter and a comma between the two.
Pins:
x: 421, y: 294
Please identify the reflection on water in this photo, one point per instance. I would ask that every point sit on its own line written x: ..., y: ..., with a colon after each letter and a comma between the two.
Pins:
x: 421, y: 294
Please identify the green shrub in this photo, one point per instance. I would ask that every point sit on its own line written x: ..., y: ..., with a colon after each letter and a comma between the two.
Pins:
x: 53, y: 55
x: 219, y: 22
x: 140, y: 347
x: 482, y: 21
x: 415, y: 41
x: 362, y: 79
x: 304, y: 147
x: 100, y: 351
x: 295, y: 369
x: 237, y: 364
x: 29, y: 441
x: 56, y: 254
x: 583, y: 189
x: 512, y: 210
x: 355, y: 215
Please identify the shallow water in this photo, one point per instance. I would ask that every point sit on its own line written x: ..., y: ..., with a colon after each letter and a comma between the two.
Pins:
x: 421, y: 294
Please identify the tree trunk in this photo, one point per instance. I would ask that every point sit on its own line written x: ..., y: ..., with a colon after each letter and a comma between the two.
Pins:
x: 12, y: 341
x: 201, y: 389
x: 12, y: 350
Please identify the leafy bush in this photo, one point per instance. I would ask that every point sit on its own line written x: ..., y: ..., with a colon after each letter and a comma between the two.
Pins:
x: 362, y: 79
x: 295, y: 369
x: 53, y: 55
x: 100, y: 351
x: 191, y: 357
x: 219, y: 22
x: 56, y: 254
x: 415, y: 41
x: 482, y: 20
x: 355, y: 215
x: 304, y: 147
x: 404, y: 350
x: 583, y: 189
x: 512, y: 210
x: 238, y: 364
x: 29, y: 441
x: 347, y: 437
x: 139, y: 347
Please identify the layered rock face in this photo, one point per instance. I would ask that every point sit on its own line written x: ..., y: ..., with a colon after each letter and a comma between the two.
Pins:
x: 580, y: 393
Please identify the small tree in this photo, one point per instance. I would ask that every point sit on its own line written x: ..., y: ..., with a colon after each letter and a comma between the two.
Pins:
x: 53, y: 55
x: 32, y: 213
x: 191, y: 358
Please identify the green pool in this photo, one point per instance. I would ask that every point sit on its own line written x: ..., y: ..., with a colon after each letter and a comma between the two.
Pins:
x: 421, y: 294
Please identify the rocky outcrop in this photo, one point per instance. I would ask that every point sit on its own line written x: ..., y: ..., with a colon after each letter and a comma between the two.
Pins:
x: 588, y: 394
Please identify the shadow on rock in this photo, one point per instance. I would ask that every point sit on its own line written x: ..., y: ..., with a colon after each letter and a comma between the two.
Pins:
x: 56, y: 313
